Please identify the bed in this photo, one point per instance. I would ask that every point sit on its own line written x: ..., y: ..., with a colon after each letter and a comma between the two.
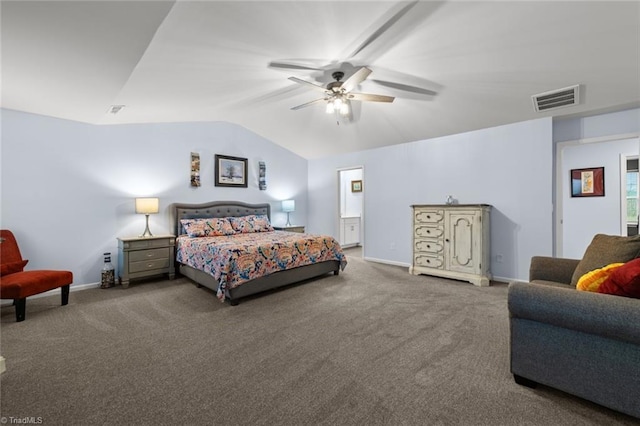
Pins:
x: 200, y: 270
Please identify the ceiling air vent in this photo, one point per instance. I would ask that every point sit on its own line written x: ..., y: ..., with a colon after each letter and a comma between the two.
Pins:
x: 114, y: 109
x: 557, y: 98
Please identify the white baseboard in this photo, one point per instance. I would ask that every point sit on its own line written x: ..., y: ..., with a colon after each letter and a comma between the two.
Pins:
x: 55, y: 291
x: 387, y: 262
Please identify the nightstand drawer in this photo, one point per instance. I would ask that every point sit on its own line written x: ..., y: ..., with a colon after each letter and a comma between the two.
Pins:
x: 148, y: 265
x: 147, y: 244
x: 293, y: 228
x: 142, y: 255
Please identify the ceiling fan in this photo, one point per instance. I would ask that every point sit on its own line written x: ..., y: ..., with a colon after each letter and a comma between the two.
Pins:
x: 338, y: 94
x: 358, y: 64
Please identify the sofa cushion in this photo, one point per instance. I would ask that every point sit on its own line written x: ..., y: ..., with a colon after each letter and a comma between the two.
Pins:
x: 623, y: 281
x: 591, y: 280
x: 606, y: 249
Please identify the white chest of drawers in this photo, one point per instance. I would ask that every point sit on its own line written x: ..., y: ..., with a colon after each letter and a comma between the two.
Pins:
x: 452, y: 241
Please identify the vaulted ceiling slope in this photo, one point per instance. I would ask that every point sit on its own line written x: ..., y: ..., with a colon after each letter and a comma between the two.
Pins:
x: 470, y: 65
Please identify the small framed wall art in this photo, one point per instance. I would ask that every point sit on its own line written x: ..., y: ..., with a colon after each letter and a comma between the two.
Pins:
x: 356, y: 186
x: 587, y: 182
x: 195, y: 169
x: 231, y: 171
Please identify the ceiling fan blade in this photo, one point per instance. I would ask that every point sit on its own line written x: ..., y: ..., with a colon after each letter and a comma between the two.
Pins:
x: 308, y: 104
x: 369, y: 97
x: 299, y: 64
x: 308, y: 84
x: 383, y: 28
x: 357, y: 78
x: 405, y: 87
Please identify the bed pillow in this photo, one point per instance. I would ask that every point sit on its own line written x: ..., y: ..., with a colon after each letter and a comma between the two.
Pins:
x: 592, y: 280
x: 606, y: 249
x: 12, y: 267
x: 251, y: 223
x: 207, y: 227
x: 623, y: 281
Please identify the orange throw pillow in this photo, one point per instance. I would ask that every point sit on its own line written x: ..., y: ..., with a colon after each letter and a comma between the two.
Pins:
x: 592, y: 280
x: 623, y: 281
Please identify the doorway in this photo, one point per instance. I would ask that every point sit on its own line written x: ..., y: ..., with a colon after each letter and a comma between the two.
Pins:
x: 351, y: 208
x: 629, y: 196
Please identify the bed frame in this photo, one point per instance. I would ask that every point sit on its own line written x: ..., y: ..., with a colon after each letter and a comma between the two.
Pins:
x: 237, y: 208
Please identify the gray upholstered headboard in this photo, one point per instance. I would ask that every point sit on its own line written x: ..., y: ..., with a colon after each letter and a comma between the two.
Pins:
x: 214, y: 209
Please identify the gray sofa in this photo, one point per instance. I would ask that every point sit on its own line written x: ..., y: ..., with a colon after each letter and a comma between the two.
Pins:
x: 586, y: 344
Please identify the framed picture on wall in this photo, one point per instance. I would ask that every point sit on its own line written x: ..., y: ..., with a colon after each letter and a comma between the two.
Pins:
x: 587, y: 182
x: 231, y: 171
x: 356, y: 186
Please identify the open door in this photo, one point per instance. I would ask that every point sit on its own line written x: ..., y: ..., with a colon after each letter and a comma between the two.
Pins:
x: 350, y: 214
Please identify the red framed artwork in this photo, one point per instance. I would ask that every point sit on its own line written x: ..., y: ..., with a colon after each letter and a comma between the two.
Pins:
x: 587, y: 182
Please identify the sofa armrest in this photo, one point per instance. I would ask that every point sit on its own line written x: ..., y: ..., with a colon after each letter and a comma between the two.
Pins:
x: 610, y: 316
x: 554, y: 269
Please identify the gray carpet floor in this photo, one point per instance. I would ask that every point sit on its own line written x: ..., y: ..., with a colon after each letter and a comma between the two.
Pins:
x: 372, y: 346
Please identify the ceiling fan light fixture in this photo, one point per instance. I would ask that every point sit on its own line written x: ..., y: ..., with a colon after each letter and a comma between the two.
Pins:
x: 344, y: 108
x: 337, y: 105
x: 330, y: 109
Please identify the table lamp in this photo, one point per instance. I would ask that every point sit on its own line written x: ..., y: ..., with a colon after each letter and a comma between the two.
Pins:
x: 146, y: 206
x: 288, y: 206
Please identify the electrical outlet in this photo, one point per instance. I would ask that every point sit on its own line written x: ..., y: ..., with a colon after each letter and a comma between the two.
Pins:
x: 499, y: 258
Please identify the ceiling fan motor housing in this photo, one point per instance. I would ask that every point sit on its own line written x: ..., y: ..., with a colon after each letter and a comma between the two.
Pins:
x: 336, y: 85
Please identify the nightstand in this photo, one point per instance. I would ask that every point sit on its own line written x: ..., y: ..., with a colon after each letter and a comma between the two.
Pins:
x: 291, y: 228
x: 141, y: 257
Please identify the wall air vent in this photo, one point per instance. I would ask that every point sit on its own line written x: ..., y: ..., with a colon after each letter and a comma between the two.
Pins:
x: 554, y: 99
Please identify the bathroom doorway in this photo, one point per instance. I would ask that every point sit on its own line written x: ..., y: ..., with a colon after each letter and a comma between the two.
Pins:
x: 351, y: 187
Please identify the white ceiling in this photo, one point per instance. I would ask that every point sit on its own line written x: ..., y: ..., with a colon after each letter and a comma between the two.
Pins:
x: 209, y: 61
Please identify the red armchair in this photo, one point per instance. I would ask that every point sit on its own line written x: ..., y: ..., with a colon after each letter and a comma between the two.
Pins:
x: 18, y: 284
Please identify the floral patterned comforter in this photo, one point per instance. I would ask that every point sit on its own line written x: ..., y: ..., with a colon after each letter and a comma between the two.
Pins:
x: 235, y: 259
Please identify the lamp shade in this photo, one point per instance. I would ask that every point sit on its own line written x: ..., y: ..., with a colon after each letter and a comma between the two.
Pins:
x: 288, y: 206
x: 146, y: 205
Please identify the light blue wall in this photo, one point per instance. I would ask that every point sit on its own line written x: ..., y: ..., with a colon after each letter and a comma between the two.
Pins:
x: 585, y: 217
x: 597, y: 126
x: 509, y: 167
x: 68, y: 187
x: 594, y: 141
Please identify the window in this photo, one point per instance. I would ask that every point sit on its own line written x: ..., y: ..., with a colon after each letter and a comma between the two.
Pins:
x: 632, y: 197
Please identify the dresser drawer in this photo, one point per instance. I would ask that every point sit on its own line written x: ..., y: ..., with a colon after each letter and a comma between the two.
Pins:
x: 141, y: 255
x: 429, y: 216
x: 428, y: 246
x: 428, y: 260
x: 148, y: 265
x: 428, y: 231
